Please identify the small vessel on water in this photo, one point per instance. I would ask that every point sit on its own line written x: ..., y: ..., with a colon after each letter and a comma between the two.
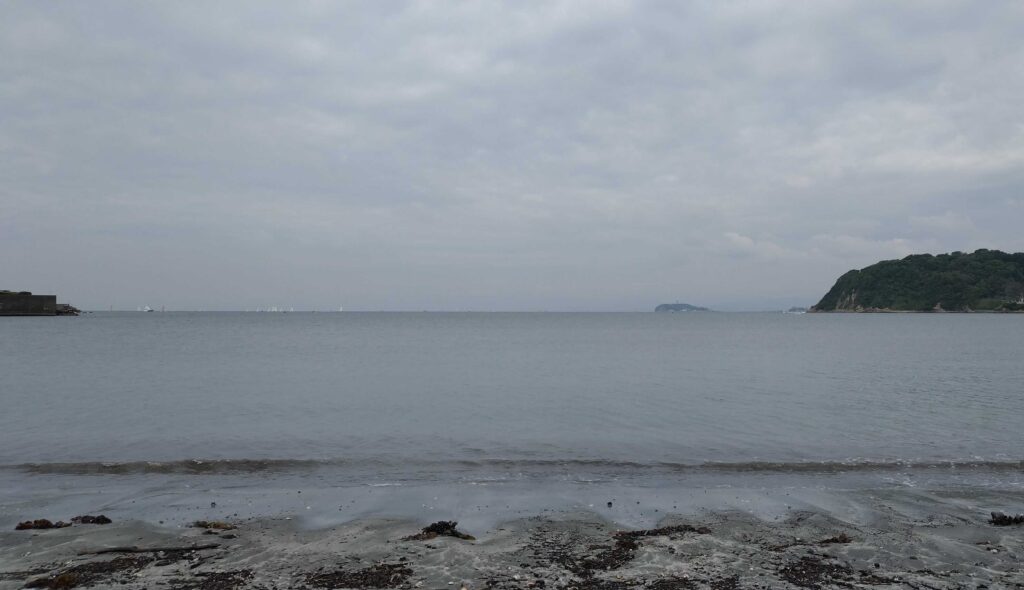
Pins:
x: 147, y: 308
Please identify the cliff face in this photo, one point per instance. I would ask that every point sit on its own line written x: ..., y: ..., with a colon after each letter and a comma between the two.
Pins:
x: 986, y: 280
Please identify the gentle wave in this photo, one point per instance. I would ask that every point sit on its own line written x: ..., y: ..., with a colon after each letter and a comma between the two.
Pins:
x: 256, y: 466
x: 187, y: 466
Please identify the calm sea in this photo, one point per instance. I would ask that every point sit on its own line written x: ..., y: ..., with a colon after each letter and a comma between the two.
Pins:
x: 401, y: 398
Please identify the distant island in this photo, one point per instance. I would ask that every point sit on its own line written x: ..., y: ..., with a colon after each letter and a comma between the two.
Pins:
x: 679, y: 307
x: 986, y: 280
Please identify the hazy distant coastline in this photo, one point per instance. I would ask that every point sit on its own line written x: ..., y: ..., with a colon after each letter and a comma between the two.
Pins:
x: 678, y: 307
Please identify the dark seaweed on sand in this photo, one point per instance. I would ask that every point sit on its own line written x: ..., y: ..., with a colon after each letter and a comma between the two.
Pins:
x: 726, y: 583
x: 382, y: 575
x: 219, y: 525
x: 841, y: 538
x: 613, y: 558
x: 599, y: 584
x: 41, y: 524
x: 108, y: 572
x: 90, y: 573
x: 670, y: 583
x: 815, y: 572
x: 90, y: 519
x: 564, y: 553
x: 216, y: 581
x: 663, y: 531
x: 441, y: 528
x: 1000, y: 519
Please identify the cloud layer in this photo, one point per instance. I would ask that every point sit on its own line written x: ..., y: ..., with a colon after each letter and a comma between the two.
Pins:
x: 492, y: 155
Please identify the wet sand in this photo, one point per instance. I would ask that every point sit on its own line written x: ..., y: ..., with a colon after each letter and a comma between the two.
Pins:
x: 891, y: 546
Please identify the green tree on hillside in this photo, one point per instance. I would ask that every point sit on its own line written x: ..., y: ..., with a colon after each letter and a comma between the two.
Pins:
x: 982, y: 280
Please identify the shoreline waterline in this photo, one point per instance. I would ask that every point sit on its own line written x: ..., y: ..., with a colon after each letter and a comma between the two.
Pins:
x: 895, y: 541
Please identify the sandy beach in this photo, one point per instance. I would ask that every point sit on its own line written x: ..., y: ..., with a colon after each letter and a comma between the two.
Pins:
x: 892, y: 545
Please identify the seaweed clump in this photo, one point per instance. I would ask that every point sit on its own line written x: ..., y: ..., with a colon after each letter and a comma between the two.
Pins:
x: 841, y: 538
x: 219, y: 525
x: 441, y: 528
x: 382, y: 575
x: 89, y: 519
x: 41, y: 524
x: 87, y: 574
x: 726, y: 583
x: 217, y: 581
x: 811, y: 572
x: 1000, y: 519
x: 663, y: 531
x: 564, y: 553
x: 625, y: 547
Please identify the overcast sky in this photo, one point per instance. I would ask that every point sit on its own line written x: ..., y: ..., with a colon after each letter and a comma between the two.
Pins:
x: 562, y: 155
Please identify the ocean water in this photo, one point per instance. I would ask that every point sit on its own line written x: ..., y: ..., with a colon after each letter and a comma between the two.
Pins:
x: 542, y: 403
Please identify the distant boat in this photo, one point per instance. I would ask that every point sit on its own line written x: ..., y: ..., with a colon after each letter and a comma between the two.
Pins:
x: 147, y: 308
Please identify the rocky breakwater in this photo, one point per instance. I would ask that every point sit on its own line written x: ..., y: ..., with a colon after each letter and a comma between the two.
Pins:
x: 25, y: 303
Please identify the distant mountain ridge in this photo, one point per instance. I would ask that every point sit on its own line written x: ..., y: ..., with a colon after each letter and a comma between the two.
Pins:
x: 985, y: 280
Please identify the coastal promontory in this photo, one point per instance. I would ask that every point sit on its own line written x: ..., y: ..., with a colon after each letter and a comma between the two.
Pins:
x: 985, y: 280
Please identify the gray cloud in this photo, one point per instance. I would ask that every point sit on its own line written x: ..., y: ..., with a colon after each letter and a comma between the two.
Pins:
x: 491, y: 155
